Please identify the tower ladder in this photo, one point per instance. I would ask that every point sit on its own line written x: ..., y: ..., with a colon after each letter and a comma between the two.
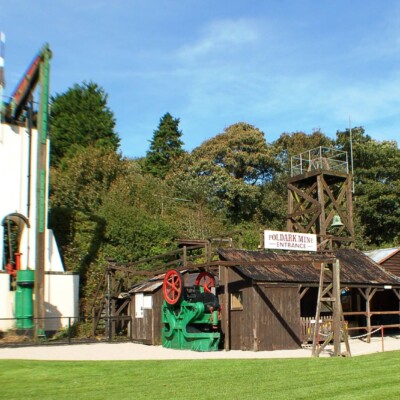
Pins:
x: 329, y: 296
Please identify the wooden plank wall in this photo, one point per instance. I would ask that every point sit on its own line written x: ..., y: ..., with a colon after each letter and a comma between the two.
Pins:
x: 148, y: 328
x: 393, y: 264
x: 157, y: 323
x: 277, y: 318
x: 269, y: 320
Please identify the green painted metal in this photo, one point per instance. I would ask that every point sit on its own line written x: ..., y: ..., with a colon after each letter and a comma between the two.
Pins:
x: 43, y: 116
x: 42, y: 167
x: 187, y: 326
x: 24, y: 299
x: 42, y: 200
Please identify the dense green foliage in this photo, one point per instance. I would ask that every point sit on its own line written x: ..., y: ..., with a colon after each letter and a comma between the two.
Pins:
x: 364, y: 377
x: 228, y: 171
x: 106, y: 206
x: 80, y: 117
x: 165, y: 147
x: 377, y: 186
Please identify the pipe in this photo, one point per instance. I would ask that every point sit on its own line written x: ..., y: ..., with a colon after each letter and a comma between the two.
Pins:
x: 30, y: 123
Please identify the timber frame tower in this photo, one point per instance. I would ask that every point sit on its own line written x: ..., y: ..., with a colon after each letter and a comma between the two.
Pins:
x: 320, y: 197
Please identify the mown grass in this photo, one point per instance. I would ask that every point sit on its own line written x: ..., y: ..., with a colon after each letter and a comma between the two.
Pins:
x: 365, y: 377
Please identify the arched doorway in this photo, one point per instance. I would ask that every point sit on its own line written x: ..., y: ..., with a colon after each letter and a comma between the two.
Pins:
x: 13, y: 225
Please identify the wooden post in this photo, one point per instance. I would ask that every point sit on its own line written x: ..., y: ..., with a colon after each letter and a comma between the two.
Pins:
x: 329, y: 294
x: 184, y: 256
x: 368, y: 311
x: 318, y: 313
x: 41, y: 193
x: 336, y: 308
x: 227, y: 344
x: 289, y: 223
x: 369, y: 293
x: 321, y: 200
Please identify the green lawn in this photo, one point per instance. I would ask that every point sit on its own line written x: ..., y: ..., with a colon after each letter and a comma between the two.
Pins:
x: 365, y: 377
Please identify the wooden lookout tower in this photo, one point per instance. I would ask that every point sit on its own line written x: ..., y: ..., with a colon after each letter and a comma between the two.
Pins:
x: 320, y: 197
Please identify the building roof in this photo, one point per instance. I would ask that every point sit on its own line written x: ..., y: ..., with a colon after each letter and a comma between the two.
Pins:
x: 381, y: 255
x: 355, y: 267
x: 153, y: 284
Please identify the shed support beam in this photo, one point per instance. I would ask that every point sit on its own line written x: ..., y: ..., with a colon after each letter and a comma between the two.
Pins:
x: 227, y: 344
x: 369, y: 293
x: 303, y: 291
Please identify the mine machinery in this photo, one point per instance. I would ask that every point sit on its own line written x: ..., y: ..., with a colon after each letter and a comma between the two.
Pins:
x: 190, y: 315
x: 19, y: 112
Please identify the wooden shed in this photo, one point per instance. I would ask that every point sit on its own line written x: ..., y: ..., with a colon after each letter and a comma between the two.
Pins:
x: 145, y: 311
x: 389, y: 259
x: 268, y: 303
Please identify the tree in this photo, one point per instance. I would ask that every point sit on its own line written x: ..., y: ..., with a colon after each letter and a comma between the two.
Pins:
x: 292, y: 144
x: 377, y: 186
x: 136, y: 226
x: 227, y: 171
x: 80, y: 117
x: 165, y: 147
x: 83, y: 178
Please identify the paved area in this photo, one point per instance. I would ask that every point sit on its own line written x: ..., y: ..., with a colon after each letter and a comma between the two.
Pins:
x: 134, y: 351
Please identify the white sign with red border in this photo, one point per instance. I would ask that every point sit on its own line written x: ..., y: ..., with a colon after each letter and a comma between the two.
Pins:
x: 290, y: 241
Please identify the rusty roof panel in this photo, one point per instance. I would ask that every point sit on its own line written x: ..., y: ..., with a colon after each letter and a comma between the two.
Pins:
x: 356, y: 268
x: 147, y: 287
x: 156, y: 282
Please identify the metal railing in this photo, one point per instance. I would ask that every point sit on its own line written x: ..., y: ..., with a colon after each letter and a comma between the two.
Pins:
x: 63, y: 330
x: 320, y: 158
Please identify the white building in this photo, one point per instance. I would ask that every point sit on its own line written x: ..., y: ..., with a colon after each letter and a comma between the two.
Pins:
x: 18, y: 200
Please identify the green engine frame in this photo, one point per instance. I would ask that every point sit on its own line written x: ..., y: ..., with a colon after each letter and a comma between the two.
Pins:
x: 188, y: 324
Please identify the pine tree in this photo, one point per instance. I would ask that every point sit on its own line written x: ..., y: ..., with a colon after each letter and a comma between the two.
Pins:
x: 165, y: 147
x: 81, y: 118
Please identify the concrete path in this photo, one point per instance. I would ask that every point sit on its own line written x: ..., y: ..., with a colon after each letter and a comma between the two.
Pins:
x: 133, y: 351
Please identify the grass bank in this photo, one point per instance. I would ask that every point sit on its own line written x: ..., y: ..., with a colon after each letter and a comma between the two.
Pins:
x: 365, y: 377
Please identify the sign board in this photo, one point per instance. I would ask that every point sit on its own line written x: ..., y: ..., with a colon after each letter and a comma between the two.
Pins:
x: 290, y: 241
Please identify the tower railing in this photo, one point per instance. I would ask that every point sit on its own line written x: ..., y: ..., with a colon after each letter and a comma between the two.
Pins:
x: 320, y: 158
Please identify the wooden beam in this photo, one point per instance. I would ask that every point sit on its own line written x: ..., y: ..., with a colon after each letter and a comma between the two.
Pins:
x: 302, y: 291
x: 321, y: 200
x: 227, y: 341
x: 336, y: 308
x: 369, y: 293
x: 303, y: 195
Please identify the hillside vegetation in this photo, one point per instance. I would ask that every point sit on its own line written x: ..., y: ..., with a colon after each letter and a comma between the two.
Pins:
x: 104, y: 205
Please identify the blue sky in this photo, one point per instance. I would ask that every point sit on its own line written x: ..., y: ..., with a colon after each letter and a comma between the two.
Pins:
x: 280, y: 65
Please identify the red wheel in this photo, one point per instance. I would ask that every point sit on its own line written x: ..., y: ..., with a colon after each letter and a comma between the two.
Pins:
x: 172, y: 286
x: 206, y: 280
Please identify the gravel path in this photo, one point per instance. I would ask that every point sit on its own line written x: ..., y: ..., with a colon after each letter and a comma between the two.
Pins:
x: 134, y: 351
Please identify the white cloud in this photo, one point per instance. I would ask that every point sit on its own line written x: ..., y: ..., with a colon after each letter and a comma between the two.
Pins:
x: 221, y: 35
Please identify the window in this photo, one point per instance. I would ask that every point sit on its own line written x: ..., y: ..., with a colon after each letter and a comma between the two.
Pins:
x: 147, y: 302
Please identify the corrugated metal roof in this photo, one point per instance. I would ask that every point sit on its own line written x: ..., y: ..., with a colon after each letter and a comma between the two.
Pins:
x: 381, y: 255
x: 153, y: 284
x: 147, y: 287
x: 356, y: 268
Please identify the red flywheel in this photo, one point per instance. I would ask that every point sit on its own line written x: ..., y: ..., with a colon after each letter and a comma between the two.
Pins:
x: 172, y: 287
x: 206, y: 280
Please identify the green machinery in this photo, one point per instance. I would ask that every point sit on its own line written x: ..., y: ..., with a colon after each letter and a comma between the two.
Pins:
x: 23, y: 299
x: 190, y: 315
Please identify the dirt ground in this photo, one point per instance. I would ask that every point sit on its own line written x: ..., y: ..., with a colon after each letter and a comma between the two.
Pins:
x: 134, y: 351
